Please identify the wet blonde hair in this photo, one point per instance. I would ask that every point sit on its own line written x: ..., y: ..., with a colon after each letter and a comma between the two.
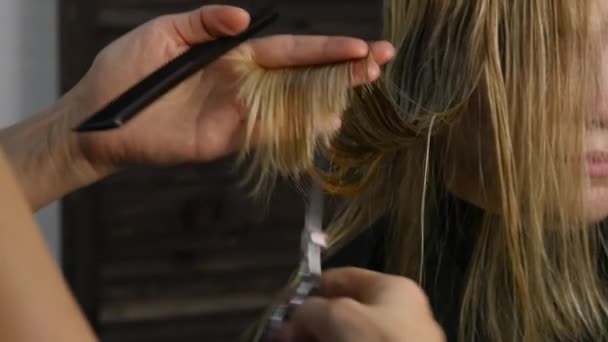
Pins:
x: 290, y: 114
x: 527, y: 70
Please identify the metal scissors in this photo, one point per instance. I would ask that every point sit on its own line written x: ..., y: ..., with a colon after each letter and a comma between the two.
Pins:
x: 308, y: 277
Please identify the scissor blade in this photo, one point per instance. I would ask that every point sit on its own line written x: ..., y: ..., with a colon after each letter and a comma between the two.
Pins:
x: 314, y: 211
x: 313, y: 238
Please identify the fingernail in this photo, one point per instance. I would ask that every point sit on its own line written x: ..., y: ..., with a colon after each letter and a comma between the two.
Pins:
x: 391, y: 51
x: 373, y: 71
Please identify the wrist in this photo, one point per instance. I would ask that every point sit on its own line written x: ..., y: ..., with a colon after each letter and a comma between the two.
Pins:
x: 46, y: 156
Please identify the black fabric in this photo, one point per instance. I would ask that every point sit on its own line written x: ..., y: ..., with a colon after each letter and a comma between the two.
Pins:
x: 450, y: 247
x: 365, y: 251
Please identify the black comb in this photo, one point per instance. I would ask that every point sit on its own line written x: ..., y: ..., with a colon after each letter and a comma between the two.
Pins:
x: 134, y: 100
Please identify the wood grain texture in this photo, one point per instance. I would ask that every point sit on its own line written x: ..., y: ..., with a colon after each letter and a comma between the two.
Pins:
x: 181, y: 254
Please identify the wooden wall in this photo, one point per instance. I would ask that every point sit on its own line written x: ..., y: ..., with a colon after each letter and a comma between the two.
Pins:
x: 180, y: 254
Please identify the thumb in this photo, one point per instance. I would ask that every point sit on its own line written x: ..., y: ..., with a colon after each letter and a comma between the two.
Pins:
x: 310, y: 322
x: 208, y: 23
x: 356, y: 283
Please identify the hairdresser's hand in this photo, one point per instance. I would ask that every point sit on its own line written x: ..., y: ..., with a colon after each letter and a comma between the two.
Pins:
x: 198, y: 121
x: 364, y: 306
x: 201, y: 120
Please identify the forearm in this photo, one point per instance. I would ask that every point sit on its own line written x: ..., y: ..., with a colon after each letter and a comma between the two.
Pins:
x: 35, y: 303
x: 45, y: 156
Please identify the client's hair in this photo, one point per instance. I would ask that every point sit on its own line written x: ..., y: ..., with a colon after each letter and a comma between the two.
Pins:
x: 290, y: 114
x: 523, y: 69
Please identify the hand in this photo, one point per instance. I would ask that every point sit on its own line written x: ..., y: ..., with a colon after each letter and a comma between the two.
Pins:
x: 363, y: 306
x: 198, y: 121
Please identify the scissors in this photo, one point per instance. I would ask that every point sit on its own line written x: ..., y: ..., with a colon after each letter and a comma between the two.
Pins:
x: 313, y: 242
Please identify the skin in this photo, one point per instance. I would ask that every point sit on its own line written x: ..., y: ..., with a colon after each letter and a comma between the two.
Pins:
x: 199, y: 121
x: 36, y: 302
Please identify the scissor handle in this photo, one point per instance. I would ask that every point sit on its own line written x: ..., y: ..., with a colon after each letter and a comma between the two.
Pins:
x: 306, y: 284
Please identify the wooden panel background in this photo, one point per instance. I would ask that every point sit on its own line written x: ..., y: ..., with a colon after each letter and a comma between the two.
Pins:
x: 181, y: 254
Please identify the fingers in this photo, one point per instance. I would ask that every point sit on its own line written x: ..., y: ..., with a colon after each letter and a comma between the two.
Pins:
x: 368, y: 70
x: 309, y: 321
x: 356, y: 283
x: 214, y: 21
x: 373, y: 288
x: 208, y: 23
x: 383, y: 52
x: 288, y: 50
x: 365, y: 286
x: 328, y: 320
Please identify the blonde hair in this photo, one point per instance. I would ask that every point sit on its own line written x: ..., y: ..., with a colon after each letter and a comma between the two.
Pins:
x: 526, y: 70
x: 290, y: 115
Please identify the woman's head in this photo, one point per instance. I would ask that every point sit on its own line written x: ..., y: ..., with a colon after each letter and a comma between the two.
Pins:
x: 474, y: 160
x: 515, y: 89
